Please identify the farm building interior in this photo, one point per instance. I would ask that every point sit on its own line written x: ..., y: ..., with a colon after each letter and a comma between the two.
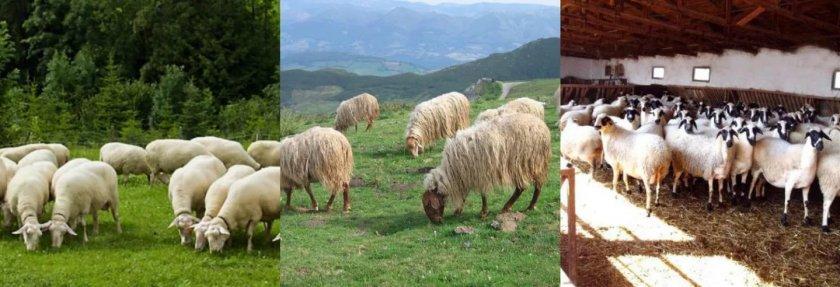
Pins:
x: 768, y: 53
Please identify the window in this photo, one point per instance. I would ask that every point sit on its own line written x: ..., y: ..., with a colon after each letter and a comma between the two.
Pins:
x: 608, y: 71
x: 701, y: 74
x: 619, y: 70
x: 658, y: 73
x: 835, y: 82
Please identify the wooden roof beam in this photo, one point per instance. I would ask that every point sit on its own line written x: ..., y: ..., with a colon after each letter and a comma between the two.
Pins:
x: 745, y: 19
x: 774, y: 7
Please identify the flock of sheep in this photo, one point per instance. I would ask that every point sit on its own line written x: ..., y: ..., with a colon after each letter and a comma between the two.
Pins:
x: 647, y: 137
x: 231, y: 188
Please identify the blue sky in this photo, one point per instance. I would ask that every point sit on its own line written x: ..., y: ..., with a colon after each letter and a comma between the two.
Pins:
x: 543, y: 2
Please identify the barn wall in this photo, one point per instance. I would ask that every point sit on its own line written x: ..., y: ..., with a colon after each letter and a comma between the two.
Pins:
x: 806, y: 71
x: 582, y: 68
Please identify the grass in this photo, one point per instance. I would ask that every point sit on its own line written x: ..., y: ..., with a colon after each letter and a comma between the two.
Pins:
x: 387, y: 240
x: 542, y: 90
x: 147, y: 253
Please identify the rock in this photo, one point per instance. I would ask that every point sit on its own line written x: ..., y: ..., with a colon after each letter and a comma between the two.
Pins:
x: 464, y: 230
x: 357, y: 182
x: 506, y: 222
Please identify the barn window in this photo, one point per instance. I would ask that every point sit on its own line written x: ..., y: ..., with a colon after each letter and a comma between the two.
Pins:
x: 701, y: 74
x: 658, y: 72
x: 835, y: 83
x: 608, y: 71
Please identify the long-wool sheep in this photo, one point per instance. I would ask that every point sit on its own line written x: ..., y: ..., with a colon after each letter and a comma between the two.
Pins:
x: 229, y: 152
x: 167, y: 155
x: 26, y: 198
x: 434, y: 119
x: 317, y: 155
x: 350, y: 112
x: 250, y: 200
x: 520, y: 105
x: 36, y: 156
x: 583, y: 143
x: 62, y: 153
x: 85, y: 189
x: 187, y: 190
x: 639, y: 155
x: 265, y: 152
x: 511, y: 150
x: 216, y: 195
x: 125, y: 158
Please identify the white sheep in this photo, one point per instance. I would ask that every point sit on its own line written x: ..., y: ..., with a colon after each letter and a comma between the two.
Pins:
x: 187, y: 190
x: 125, y: 159
x: 62, y: 154
x: 613, y: 109
x: 252, y: 199
x: 317, y: 155
x: 581, y: 143
x: 265, y: 152
x: 27, y: 196
x: 85, y: 189
x: 828, y: 174
x: 742, y: 163
x: 350, y: 112
x: 229, y: 152
x: 435, y: 119
x: 639, y: 155
x: 520, y: 105
x: 36, y: 156
x: 788, y: 166
x: 582, y: 117
x: 7, y: 171
x: 656, y: 126
x: 167, y: 155
x: 62, y: 170
x: 216, y: 195
x: 702, y: 156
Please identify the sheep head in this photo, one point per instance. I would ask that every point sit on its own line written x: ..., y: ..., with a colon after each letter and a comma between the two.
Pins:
x: 728, y: 136
x: 57, y: 230
x: 815, y: 138
x: 184, y: 222
x: 433, y: 204
x: 31, y: 233
x: 751, y: 132
x: 835, y: 120
x: 200, y: 239
x: 604, y: 123
x: 216, y: 235
x: 413, y: 146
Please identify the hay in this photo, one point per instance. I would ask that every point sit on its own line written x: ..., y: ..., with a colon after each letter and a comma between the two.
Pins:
x: 753, y: 236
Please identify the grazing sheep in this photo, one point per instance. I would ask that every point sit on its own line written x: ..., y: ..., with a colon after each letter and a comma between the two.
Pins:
x: 639, y: 155
x: 788, y: 166
x: 8, y: 168
x: 520, y: 105
x: 511, y: 150
x: 613, y: 109
x: 582, y: 117
x: 17, y: 153
x: 581, y: 143
x: 62, y: 170
x: 266, y: 153
x: 167, y: 155
x: 216, y: 194
x: 229, y: 152
x: 85, y: 189
x: 36, y: 156
x: 125, y: 158
x: 317, y: 155
x: 27, y: 196
x: 251, y: 199
x: 434, y: 119
x: 350, y: 112
x: 702, y: 156
x: 187, y: 190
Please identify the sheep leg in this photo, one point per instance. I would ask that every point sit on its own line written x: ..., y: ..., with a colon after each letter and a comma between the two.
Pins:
x: 346, y: 194
x: 516, y: 193
x: 626, y: 183
x: 369, y: 125
x: 250, y: 231
x: 828, y: 198
x: 788, y: 190
x: 95, y: 215
x: 116, y: 214
x: 268, y: 230
x: 149, y: 178
x: 647, y: 196
x: 752, y: 186
x: 537, y: 190
x: 84, y: 227
x: 711, y: 194
x: 330, y: 202
x: 677, y: 175
x: 484, y: 205
x: 7, y: 216
x: 615, y: 180
x: 720, y: 190
x: 311, y: 197
x: 658, y: 184
x: 152, y: 176
x: 288, y: 198
x: 805, y: 191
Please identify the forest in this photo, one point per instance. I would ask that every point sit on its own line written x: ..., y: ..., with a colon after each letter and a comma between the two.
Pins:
x: 84, y: 72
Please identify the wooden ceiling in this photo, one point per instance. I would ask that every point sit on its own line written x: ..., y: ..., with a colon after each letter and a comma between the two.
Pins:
x: 630, y: 28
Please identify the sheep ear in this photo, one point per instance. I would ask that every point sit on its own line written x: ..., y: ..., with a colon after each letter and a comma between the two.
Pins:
x: 277, y: 238
x: 825, y: 136
x: 733, y: 133
x: 172, y: 225
x: 758, y: 131
x: 720, y: 133
x: 70, y: 231
x: 693, y: 123
x: 195, y: 218
x: 743, y: 130
x: 224, y: 231
x: 45, y: 225
x: 19, y: 231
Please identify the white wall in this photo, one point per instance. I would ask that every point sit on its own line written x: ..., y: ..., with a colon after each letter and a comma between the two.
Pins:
x: 582, y: 68
x: 807, y: 70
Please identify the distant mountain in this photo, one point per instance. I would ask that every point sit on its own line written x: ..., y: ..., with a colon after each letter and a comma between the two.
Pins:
x: 301, y: 89
x: 357, y: 64
x: 429, y: 36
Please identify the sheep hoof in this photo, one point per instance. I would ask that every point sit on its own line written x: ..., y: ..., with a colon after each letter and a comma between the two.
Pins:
x: 825, y: 229
x: 709, y: 206
x: 784, y: 220
x: 648, y: 215
x: 806, y: 221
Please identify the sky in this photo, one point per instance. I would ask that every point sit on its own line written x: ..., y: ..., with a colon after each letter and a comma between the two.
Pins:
x: 543, y: 2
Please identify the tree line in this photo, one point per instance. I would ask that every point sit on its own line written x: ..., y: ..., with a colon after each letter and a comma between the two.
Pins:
x: 87, y: 71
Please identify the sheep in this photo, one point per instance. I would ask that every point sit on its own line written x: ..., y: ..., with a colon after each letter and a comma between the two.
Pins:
x: 798, y: 134
x: 251, y: 199
x: 437, y: 118
x: 788, y: 166
x: 62, y: 154
x: 27, y: 196
x: 62, y: 170
x: 167, y: 155
x: 317, y: 155
x: 511, y: 150
x: 520, y: 105
x: 8, y: 168
x: 11, y: 166
x: 350, y: 112
x: 36, y: 156
x: 581, y: 117
x: 581, y: 143
x: 656, y: 126
x: 229, y: 152
x: 570, y: 106
x: 187, y: 190
x: 125, y: 159
x: 216, y: 194
x: 629, y: 119
x: 827, y: 174
x: 639, y: 155
x: 85, y: 189
x: 613, y: 109
x: 266, y: 153
x: 742, y: 163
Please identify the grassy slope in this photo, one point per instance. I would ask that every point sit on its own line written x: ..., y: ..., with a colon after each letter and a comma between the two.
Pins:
x: 542, y: 90
x: 387, y: 240
x: 147, y: 253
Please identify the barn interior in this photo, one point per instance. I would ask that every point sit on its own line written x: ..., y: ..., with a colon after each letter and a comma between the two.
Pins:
x: 766, y: 52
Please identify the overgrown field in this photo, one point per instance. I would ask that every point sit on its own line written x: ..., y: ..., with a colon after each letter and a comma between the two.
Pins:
x: 147, y: 253
x: 387, y: 240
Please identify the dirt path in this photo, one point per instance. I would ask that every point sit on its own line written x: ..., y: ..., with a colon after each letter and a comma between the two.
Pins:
x: 506, y: 88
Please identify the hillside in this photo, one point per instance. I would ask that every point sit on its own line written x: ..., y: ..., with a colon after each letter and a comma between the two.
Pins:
x: 535, y: 60
x: 357, y: 64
